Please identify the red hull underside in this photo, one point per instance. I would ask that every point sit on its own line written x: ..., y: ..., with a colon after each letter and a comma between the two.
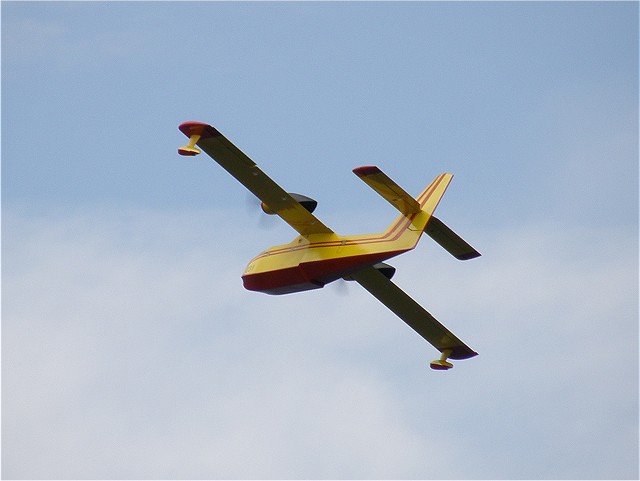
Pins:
x: 309, y: 275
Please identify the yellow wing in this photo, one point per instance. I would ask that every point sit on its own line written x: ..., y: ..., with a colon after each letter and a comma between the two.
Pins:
x: 412, y: 313
x: 245, y: 170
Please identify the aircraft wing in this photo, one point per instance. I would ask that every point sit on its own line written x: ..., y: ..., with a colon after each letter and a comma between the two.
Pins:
x: 412, y: 313
x: 245, y: 170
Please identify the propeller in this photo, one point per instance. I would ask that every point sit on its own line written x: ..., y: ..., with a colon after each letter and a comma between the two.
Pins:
x: 265, y: 221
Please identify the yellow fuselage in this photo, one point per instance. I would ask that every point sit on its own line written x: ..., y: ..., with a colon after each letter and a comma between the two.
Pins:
x: 312, y: 261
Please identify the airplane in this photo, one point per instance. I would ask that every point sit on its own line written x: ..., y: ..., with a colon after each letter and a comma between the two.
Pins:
x: 318, y: 256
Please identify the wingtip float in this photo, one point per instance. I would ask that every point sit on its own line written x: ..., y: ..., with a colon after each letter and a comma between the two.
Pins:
x: 319, y: 256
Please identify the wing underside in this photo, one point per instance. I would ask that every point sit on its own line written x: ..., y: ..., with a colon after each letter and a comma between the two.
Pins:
x: 412, y: 313
x: 245, y: 170
x: 449, y: 240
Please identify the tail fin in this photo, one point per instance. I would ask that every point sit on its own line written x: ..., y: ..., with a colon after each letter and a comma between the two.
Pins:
x: 425, y: 203
x: 432, y: 195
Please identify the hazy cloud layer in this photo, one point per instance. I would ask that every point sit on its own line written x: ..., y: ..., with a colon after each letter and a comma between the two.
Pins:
x: 131, y: 350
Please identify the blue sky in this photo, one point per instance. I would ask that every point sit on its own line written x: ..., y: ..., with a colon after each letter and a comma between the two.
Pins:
x: 130, y: 349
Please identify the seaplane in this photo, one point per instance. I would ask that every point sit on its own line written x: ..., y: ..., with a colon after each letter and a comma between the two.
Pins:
x: 319, y: 256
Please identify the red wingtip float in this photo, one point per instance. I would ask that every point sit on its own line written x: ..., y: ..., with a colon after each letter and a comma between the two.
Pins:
x: 319, y: 256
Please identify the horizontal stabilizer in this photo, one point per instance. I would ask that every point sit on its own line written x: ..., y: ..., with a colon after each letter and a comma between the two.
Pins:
x: 449, y: 240
x: 387, y: 188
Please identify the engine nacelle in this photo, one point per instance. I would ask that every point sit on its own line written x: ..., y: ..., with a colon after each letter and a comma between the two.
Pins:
x: 385, y: 269
x: 306, y: 202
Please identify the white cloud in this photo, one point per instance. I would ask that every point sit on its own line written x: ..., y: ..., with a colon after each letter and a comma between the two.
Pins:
x: 131, y: 350
x: 121, y: 342
x: 553, y: 311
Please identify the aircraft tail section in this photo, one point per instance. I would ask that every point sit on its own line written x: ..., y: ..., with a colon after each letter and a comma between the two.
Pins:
x: 427, y: 201
x: 417, y: 214
x: 388, y: 189
x: 449, y: 240
x: 432, y: 195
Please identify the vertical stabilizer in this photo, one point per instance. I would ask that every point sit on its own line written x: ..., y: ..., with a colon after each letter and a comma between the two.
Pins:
x: 432, y: 195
